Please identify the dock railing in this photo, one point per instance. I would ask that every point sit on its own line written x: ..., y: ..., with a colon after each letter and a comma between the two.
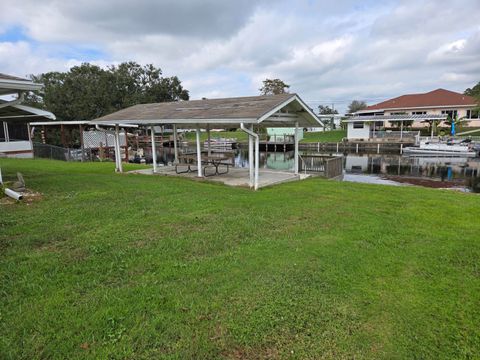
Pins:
x: 394, y: 135
x: 330, y: 167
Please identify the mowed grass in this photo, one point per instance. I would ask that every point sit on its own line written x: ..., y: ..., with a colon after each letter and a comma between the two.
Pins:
x: 136, y: 267
x: 321, y: 136
x: 238, y: 134
x: 324, y: 136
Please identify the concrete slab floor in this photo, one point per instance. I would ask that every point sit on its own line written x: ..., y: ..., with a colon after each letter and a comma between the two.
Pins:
x: 235, y: 176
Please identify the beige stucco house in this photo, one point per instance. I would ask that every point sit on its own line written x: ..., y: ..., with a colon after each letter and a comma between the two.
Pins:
x: 436, y: 102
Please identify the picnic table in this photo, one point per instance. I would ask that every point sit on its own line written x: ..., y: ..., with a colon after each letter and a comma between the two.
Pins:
x: 207, y: 162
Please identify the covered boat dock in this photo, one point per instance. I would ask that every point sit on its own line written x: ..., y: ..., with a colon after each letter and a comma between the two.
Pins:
x: 250, y: 114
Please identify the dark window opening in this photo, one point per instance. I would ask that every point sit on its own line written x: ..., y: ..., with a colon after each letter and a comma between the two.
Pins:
x: 358, y: 125
x: 17, y: 131
x: 473, y: 114
x: 2, y: 132
x: 451, y: 113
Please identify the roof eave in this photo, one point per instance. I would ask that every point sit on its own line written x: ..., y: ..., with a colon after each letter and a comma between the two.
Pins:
x: 176, y: 121
x: 11, y: 86
x: 415, y: 107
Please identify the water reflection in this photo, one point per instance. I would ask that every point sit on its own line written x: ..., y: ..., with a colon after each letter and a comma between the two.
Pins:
x: 268, y: 160
x: 443, y: 168
x: 427, y: 171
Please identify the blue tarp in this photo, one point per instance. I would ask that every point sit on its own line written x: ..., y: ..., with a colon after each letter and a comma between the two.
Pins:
x: 452, y: 131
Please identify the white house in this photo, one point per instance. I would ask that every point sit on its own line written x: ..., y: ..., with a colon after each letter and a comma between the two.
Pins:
x: 372, y: 128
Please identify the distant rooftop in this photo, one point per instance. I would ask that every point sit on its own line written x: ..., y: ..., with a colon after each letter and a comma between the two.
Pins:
x: 439, y: 97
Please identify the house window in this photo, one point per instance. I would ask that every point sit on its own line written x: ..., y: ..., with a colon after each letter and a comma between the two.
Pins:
x: 473, y: 114
x: 451, y: 113
x: 399, y: 113
x: 419, y: 113
x: 358, y: 125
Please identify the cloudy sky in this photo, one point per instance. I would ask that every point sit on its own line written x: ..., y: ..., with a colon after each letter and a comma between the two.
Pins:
x: 328, y: 51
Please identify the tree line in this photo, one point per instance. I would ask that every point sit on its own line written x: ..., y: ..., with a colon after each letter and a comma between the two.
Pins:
x: 88, y: 91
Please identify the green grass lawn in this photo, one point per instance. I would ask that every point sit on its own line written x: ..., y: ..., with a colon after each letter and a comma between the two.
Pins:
x: 239, y: 135
x: 134, y: 267
x: 327, y: 136
x: 324, y: 136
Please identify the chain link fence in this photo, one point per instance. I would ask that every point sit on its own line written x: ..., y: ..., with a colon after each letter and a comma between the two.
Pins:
x: 52, y: 152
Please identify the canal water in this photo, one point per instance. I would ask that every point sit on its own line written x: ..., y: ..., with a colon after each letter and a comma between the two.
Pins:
x: 439, y: 172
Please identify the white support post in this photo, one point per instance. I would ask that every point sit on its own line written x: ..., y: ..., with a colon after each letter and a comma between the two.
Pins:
x: 251, y: 160
x: 118, y: 153
x: 5, y: 131
x: 401, y: 130
x: 154, y: 148
x: 257, y: 160
x: 115, y: 148
x: 199, y: 154
x: 209, y: 146
x: 252, y: 135
x: 29, y: 129
x: 296, y: 148
x: 120, y: 165
x: 175, y: 146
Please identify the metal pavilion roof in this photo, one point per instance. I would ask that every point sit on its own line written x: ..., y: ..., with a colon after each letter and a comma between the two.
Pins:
x: 23, y: 112
x: 11, y: 84
x: 281, y: 110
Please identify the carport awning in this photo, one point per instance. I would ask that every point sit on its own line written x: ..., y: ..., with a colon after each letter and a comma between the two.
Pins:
x: 283, y: 110
x: 23, y: 112
x: 11, y: 84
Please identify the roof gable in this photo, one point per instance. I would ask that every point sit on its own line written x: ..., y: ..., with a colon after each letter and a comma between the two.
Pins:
x: 439, y: 97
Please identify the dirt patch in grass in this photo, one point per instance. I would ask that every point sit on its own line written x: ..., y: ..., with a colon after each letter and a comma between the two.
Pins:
x: 29, y: 197
x: 251, y: 354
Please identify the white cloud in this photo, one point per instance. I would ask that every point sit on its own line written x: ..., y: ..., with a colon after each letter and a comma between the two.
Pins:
x: 325, y: 51
x: 447, y: 50
x: 454, y: 77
